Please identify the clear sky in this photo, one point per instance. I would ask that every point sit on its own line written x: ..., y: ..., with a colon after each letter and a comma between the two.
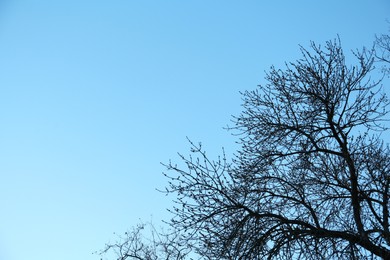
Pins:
x: 95, y: 94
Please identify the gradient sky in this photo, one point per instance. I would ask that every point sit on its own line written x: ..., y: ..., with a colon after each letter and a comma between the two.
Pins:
x: 95, y: 94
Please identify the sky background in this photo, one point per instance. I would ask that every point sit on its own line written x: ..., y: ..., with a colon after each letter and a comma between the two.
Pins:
x: 95, y: 94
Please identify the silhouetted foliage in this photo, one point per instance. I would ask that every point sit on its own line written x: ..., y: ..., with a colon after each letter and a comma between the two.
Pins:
x: 145, y: 242
x: 383, y: 51
x: 310, y: 181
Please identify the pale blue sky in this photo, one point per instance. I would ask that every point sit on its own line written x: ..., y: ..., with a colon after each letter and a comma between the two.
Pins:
x: 95, y: 94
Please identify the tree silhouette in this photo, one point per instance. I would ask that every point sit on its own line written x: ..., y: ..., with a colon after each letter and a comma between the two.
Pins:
x: 383, y: 51
x: 311, y: 180
x: 145, y: 242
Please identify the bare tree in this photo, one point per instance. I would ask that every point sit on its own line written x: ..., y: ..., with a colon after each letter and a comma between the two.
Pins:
x: 145, y: 242
x: 383, y: 51
x: 312, y: 178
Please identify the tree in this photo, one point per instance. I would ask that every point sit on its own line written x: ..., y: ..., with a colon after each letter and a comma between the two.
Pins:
x: 135, y: 244
x: 312, y: 178
x: 310, y: 181
x: 383, y: 51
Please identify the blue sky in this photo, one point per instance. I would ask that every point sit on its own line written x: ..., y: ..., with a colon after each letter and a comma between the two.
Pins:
x: 95, y: 94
